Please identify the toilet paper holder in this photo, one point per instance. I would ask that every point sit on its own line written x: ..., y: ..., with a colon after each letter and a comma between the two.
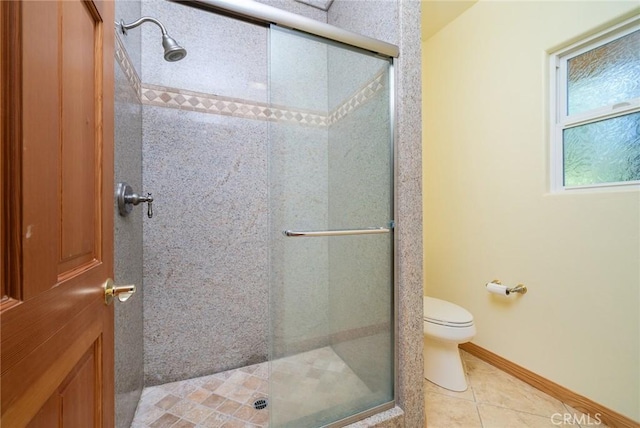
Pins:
x: 520, y: 288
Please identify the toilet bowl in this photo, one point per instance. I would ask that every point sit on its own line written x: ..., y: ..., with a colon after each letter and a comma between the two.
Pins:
x: 445, y: 326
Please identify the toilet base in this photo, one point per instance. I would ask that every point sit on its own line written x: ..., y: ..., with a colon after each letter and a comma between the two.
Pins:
x: 443, y: 365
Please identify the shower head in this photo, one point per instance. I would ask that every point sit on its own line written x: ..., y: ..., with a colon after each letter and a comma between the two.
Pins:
x: 172, y: 50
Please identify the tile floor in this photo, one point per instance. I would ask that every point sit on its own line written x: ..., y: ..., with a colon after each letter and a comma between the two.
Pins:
x: 226, y: 399
x: 222, y: 399
x: 494, y: 399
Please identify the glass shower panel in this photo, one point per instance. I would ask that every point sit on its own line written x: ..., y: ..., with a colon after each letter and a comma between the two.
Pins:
x: 330, y: 188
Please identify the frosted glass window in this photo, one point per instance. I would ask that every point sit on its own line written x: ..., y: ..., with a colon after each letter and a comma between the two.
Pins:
x: 604, y: 76
x: 603, y: 152
x: 595, y: 110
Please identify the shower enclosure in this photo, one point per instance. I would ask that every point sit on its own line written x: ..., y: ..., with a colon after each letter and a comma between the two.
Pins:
x: 331, y: 231
x: 273, y: 237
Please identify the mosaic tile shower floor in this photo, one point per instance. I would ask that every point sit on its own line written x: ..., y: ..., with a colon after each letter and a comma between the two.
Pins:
x: 494, y: 399
x: 226, y: 399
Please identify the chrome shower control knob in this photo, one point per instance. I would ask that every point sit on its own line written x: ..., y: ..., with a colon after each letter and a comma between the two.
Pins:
x: 135, y: 199
x: 149, y: 205
x: 127, y: 200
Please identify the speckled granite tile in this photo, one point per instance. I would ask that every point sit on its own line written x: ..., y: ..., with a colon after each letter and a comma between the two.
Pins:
x: 225, y: 56
x: 298, y: 267
x: 205, y: 259
x: 360, y: 267
x: 409, y: 216
x: 298, y: 71
x: 320, y: 4
x: 129, y: 11
x: 128, y: 250
x: 392, y: 418
x: 377, y: 19
x: 298, y: 8
x: 372, y: 18
x: 174, y: 130
x: 398, y: 22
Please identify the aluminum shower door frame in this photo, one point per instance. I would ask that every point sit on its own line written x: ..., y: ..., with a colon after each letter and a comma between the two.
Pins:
x: 250, y: 10
x: 264, y: 15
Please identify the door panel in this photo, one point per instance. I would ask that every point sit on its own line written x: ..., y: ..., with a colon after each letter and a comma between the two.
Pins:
x: 40, y: 129
x: 79, y: 142
x: 48, y: 412
x: 78, y: 393
x: 57, y: 333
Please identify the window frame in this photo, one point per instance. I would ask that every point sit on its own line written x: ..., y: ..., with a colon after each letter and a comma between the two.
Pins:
x: 560, y: 120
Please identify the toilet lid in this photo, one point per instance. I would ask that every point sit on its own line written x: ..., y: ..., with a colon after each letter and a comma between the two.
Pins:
x: 446, y: 313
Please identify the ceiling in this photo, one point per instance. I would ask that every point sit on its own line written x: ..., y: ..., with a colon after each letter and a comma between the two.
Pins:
x: 436, y: 14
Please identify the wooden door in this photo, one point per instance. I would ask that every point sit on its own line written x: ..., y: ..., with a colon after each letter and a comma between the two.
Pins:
x: 57, y: 213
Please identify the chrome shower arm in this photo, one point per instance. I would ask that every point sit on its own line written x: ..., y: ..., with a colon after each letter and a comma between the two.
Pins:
x: 124, y: 27
x: 172, y: 50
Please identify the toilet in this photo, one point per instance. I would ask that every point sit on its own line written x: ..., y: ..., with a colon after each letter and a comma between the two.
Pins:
x: 445, y: 326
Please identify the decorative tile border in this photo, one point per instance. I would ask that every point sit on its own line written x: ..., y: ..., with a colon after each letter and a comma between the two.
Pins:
x: 122, y: 57
x: 358, y: 98
x: 182, y: 99
x: 215, y: 104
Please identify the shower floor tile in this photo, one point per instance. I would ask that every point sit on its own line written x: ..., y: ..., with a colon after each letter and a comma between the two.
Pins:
x: 226, y: 399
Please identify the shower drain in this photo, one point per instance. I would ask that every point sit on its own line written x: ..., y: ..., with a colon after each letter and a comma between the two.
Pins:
x: 260, y: 404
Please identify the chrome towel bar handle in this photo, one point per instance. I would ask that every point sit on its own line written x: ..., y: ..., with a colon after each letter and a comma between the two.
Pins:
x: 344, y: 232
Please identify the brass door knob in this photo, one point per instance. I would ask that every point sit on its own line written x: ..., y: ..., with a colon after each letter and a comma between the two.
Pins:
x: 123, y: 292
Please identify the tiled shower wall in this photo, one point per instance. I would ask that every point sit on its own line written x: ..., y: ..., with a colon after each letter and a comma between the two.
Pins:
x: 129, y: 374
x: 298, y: 168
x: 398, y: 22
x: 206, y: 260
x: 184, y: 130
x: 364, y: 353
x: 361, y: 268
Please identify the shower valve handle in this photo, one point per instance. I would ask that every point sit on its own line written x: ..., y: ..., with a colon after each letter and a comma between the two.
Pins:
x: 149, y: 205
x: 136, y: 199
x: 127, y: 200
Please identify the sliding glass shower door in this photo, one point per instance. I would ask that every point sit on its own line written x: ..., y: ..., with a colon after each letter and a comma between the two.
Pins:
x: 331, y: 231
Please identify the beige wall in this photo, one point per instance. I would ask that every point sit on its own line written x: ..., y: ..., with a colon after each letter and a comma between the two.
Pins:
x: 489, y: 214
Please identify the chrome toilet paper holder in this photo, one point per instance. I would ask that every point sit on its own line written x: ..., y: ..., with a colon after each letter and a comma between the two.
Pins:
x: 519, y: 288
